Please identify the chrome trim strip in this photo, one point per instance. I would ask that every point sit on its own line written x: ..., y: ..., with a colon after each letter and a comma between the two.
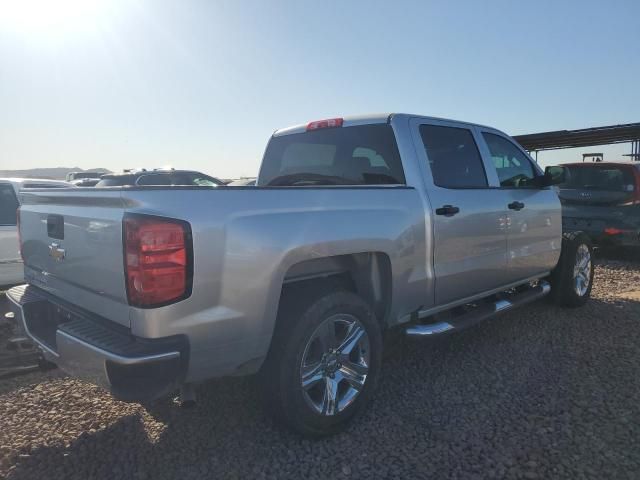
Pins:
x: 108, y: 355
x: 502, y: 305
x: 433, y: 310
x: 12, y: 261
x: 546, y: 286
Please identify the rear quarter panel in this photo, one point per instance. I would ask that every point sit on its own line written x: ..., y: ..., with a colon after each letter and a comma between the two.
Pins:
x: 246, y: 239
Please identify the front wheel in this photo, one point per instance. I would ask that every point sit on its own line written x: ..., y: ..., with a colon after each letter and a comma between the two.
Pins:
x: 323, y: 363
x: 572, y: 279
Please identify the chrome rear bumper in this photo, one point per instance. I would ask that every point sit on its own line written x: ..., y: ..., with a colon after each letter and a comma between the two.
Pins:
x: 97, y: 350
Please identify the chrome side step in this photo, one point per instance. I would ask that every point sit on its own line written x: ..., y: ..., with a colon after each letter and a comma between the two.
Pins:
x: 429, y: 329
x: 480, y: 313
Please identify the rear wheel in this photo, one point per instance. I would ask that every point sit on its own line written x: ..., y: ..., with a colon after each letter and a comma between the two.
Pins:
x: 323, y: 363
x: 572, y: 279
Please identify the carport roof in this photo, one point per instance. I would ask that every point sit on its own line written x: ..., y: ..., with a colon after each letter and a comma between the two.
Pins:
x: 586, y: 137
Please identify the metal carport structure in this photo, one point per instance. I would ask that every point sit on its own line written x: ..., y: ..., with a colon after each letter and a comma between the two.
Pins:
x: 586, y: 137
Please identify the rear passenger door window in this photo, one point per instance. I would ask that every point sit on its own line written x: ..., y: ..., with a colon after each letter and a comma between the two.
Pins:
x: 513, y: 167
x: 453, y: 156
x: 8, y: 205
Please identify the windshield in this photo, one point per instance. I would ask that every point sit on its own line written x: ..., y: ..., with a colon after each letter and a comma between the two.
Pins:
x: 599, y: 177
x: 359, y: 155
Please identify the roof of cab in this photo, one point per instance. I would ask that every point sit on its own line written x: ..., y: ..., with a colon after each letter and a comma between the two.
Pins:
x: 353, y: 120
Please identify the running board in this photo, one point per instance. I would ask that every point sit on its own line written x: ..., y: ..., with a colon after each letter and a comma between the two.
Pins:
x: 480, y: 313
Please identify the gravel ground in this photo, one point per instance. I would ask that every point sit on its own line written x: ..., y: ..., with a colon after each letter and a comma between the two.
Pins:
x: 537, y: 393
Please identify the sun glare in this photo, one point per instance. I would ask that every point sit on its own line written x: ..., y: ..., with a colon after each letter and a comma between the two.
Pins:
x: 50, y: 18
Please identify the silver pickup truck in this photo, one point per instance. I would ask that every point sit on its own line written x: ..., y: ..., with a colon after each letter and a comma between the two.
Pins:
x: 356, y: 225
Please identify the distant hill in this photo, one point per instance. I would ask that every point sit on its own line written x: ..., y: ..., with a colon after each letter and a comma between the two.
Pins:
x: 56, y: 173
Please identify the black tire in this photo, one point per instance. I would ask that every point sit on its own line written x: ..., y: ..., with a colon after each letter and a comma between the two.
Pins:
x: 300, y: 315
x: 563, y: 287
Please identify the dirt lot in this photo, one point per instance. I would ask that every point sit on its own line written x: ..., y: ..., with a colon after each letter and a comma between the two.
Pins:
x: 536, y: 393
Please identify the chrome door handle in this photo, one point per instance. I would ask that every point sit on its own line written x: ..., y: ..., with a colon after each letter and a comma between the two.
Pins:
x: 447, y: 210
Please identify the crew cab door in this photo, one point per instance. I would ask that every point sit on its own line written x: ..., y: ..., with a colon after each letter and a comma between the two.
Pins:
x: 468, y: 216
x: 534, y: 219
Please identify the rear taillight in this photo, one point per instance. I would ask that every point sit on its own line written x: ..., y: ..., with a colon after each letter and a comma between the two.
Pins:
x: 328, y: 123
x: 19, y: 234
x: 158, y: 260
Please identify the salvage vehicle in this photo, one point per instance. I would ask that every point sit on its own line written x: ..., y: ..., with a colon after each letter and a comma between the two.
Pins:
x: 10, y: 262
x: 243, y: 182
x: 601, y: 199
x: 73, y: 176
x: 158, y: 176
x: 85, y: 182
x: 356, y: 226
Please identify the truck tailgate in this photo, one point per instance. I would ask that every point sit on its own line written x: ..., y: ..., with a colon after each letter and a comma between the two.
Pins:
x: 72, y: 247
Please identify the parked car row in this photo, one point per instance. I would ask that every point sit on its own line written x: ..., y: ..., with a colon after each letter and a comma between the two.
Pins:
x: 144, y: 177
x: 11, y: 271
x: 601, y: 199
x: 11, y: 266
x: 155, y: 177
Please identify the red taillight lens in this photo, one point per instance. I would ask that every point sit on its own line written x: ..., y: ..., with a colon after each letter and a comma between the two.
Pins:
x: 613, y: 231
x: 328, y: 123
x: 158, y: 260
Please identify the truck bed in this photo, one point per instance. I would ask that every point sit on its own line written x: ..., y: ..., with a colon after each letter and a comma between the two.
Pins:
x: 245, y: 240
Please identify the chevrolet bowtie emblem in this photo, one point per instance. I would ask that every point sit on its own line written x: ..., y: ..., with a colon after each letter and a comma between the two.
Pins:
x: 56, y: 252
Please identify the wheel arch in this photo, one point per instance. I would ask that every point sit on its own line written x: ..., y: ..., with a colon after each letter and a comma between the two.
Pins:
x: 368, y: 274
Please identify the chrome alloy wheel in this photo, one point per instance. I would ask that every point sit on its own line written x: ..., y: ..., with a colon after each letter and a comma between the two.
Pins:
x: 335, y: 364
x: 582, y: 270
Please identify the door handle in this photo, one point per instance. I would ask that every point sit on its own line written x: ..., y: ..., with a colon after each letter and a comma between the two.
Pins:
x: 516, y: 206
x: 447, y: 210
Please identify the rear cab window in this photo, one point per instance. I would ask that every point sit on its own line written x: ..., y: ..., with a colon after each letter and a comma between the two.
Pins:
x: 613, y: 178
x: 356, y: 155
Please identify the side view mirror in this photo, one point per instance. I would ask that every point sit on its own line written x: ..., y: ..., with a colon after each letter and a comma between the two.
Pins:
x: 555, y: 175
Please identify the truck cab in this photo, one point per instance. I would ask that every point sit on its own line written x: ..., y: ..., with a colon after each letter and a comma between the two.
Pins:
x: 490, y: 222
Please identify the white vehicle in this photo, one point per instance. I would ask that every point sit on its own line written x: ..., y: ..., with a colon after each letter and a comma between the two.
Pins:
x: 11, y: 271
